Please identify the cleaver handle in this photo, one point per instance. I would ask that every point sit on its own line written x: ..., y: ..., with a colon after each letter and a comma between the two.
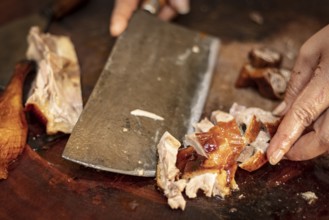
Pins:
x: 153, y: 6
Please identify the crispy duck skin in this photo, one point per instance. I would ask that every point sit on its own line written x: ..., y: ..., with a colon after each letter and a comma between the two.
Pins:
x: 264, y: 72
x: 212, y: 154
x: 13, y: 127
x: 223, y: 144
x: 260, y: 127
x: 265, y: 57
x: 244, y: 79
x: 270, y: 82
x: 213, y: 173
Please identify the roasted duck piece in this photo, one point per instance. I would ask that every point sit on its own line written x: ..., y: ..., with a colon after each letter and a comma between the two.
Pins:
x: 257, y: 127
x: 264, y: 57
x: 13, y: 126
x: 167, y: 172
x: 55, y: 96
x: 264, y: 72
x: 213, y: 173
x: 212, y: 154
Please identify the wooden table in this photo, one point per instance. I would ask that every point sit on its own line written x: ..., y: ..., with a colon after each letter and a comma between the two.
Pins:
x: 42, y: 185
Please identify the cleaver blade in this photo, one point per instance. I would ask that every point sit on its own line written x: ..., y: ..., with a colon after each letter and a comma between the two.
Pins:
x: 157, y: 67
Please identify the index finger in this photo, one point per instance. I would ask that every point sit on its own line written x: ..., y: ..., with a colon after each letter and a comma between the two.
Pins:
x: 306, y: 62
x: 311, y: 102
x: 122, y: 12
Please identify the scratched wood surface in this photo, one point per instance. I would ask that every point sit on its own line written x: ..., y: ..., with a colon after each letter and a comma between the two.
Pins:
x: 42, y: 185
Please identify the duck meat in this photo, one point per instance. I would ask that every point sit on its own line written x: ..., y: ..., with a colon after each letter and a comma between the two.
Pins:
x: 55, y: 96
x: 13, y: 127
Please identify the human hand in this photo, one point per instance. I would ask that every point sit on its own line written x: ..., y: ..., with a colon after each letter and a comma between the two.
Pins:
x: 123, y: 10
x: 305, y: 105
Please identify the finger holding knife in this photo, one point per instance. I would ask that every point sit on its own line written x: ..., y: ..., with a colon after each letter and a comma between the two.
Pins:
x: 165, y: 10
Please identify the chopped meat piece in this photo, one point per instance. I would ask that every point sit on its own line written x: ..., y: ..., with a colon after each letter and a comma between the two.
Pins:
x: 192, y: 140
x: 247, y: 152
x: 55, y: 95
x: 185, y: 155
x: 204, y: 182
x: 285, y: 73
x: 260, y: 127
x: 213, y: 174
x: 258, y: 157
x: 262, y: 141
x: 13, y: 128
x: 167, y: 172
x: 167, y: 150
x: 211, y: 180
x: 271, y: 84
x: 252, y: 130
x: 254, y: 162
x: 174, y: 194
x: 211, y: 156
x: 203, y: 126
x: 265, y: 73
x: 220, y: 116
x: 236, y: 109
x: 244, y: 79
x: 264, y: 57
x: 245, y: 115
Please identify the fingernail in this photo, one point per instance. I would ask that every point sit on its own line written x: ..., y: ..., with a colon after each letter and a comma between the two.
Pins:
x: 280, y: 109
x: 276, y: 157
x: 117, y: 28
x: 183, y: 6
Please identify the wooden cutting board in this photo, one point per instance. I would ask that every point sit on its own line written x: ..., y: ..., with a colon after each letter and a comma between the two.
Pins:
x: 42, y: 185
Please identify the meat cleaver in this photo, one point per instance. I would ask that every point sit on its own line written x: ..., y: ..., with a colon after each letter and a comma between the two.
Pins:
x: 156, y: 79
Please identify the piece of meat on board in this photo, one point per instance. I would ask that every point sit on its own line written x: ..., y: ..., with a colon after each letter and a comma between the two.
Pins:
x: 213, y: 173
x: 167, y: 172
x: 265, y: 57
x: 212, y: 154
x: 13, y: 126
x: 55, y: 95
x: 257, y: 127
x: 264, y: 72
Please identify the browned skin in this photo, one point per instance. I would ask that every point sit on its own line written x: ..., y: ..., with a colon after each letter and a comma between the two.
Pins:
x: 272, y: 127
x: 37, y: 112
x: 264, y: 85
x: 258, y: 159
x: 223, y: 144
x: 13, y: 126
x: 189, y: 159
x: 256, y: 77
x: 253, y: 130
x: 259, y: 61
x: 244, y: 79
x: 254, y: 162
x: 256, y: 73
